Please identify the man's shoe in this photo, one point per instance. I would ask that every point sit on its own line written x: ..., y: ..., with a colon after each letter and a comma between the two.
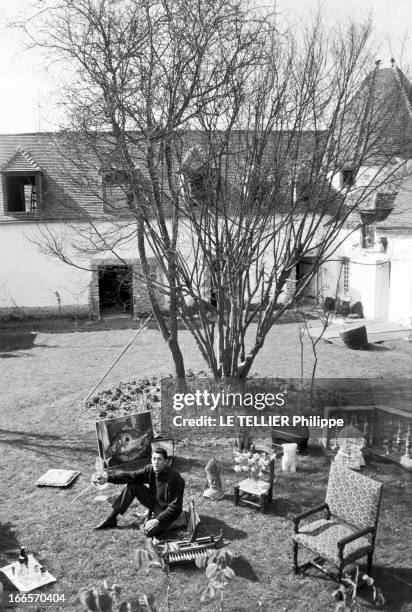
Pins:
x: 108, y: 523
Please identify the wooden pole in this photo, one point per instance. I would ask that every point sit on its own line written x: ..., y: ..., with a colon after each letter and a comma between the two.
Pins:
x: 143, y: 325
x: 80, y: 494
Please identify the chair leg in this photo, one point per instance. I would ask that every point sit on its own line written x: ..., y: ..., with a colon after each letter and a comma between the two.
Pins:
x: 340, y: 570
x: 262, y: 503
x: 295, y: 558
x: 236, y: 499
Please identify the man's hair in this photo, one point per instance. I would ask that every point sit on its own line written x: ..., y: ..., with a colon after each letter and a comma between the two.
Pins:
x: 160, y: 451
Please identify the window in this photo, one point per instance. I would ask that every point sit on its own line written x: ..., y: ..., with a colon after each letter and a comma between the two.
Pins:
x: 21, y: 192
x: 348, y: 177
x: 117, y: 191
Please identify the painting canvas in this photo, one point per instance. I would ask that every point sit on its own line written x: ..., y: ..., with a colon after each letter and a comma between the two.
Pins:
x: 126, y: 439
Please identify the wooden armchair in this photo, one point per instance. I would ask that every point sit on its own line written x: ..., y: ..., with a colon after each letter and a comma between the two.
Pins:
x: 256, y: 493
x: 348, y: 532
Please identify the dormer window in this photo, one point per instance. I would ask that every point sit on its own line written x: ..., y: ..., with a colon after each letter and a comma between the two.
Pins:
x: 117, y: 191
x: 21, y: 183
x: 348, y: 177
x: 21, y: 192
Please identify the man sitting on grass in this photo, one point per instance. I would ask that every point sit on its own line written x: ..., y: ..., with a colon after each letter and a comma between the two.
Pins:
x: 163, y: 497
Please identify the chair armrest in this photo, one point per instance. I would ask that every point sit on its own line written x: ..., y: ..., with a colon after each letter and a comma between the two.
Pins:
x: 298, y: 517
x: 354, y: 536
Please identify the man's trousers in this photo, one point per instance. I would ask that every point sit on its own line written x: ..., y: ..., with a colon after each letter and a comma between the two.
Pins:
x: 144, y: 495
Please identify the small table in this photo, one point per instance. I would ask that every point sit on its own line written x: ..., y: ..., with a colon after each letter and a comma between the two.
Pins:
x: 31, y: 579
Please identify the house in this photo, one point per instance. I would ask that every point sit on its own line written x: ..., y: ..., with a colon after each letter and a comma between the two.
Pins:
x: 38, y: 197
x: 42, y: 193
x: 378, y: 249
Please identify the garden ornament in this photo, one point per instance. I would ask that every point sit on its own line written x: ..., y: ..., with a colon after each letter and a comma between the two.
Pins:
x: 289, y: 457
x: 406, y: 461
x: 213, y: 486
x: 350, y: 441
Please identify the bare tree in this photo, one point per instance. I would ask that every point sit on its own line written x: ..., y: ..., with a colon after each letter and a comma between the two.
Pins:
x: 218, y: 141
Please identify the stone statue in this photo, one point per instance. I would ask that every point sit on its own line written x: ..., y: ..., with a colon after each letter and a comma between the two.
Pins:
x: 289, y: 457
x: 213, y: 486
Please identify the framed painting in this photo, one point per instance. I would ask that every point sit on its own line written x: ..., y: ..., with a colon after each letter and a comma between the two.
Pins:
x: 126, y: 439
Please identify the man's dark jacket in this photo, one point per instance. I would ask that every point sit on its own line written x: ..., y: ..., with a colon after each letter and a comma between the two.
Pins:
x: 167, y: 489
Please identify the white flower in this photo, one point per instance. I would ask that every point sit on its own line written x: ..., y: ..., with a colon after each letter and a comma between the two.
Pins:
x: 237, y: 468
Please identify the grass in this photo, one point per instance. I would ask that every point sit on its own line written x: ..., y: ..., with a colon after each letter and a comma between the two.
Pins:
x: 46, y: 373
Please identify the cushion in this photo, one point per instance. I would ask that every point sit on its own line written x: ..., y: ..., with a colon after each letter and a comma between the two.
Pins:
x: 321, y: 537
x: 57, y: 478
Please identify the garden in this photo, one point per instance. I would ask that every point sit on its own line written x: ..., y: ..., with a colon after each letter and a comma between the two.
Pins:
x: 48, y: 371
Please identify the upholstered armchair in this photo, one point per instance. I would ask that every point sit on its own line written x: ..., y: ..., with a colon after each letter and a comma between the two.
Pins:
x: 348, y: 532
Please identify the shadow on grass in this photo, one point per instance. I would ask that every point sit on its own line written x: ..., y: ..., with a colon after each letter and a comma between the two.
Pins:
x: 243, y: 569
x: 211, y: 526
x: 9, y: 544
x: 376, y: 347
x: 72, y: 324
x: 396, y: 585
x: 283, y: 507
x: 40, y: 444
x: 31, y: 434
x: 20, y: 341
x: 9, y: 552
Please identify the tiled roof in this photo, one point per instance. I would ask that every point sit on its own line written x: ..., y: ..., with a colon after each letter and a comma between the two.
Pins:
x: 385, y: 200
x: 405, y: 87
x: 20, y: 161
x: 40, y: 152
x: 401, y: 215
x: 64, y: 194
x: 386, y: 94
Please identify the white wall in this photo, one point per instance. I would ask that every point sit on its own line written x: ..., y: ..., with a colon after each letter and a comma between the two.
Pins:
x: 382, y: 281
x: 400, y: 298
x: 32, y: 282
x: 30, y: 279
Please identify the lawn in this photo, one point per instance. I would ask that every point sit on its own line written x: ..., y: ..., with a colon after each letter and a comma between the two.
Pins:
x: 47, y: 371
